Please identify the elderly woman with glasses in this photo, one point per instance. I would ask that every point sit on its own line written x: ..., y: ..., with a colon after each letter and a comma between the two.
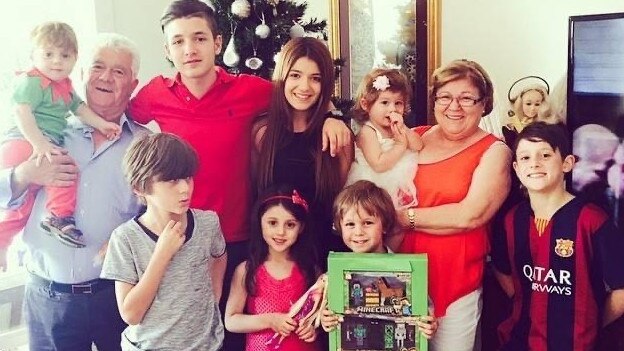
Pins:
x: 462, y: 180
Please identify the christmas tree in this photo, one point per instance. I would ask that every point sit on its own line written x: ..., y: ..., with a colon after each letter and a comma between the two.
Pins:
x: 254, y: 31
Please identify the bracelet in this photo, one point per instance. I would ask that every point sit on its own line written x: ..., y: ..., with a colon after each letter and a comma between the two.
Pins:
x: 337, y: 114
x: 411, y: 217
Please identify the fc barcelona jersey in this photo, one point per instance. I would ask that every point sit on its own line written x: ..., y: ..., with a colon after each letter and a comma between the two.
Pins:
x: 561, y: 277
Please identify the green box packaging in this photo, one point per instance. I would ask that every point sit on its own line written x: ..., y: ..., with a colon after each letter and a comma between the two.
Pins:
x: 381, y: 296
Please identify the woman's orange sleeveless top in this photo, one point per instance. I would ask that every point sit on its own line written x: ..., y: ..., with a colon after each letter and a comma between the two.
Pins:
x: 456, y: 262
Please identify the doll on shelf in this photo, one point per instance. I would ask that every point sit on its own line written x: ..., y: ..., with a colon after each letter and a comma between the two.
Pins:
x: 529, y: 102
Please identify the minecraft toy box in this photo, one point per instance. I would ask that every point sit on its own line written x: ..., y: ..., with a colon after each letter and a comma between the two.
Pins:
x: 381, y: 296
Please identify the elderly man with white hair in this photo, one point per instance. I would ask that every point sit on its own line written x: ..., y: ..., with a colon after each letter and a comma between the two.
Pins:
x: 67, y: 305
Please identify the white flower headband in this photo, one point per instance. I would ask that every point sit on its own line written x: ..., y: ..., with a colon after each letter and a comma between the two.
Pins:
x: 381, y: 83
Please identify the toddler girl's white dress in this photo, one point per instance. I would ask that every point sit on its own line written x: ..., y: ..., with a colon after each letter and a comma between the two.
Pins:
x: 397, y: 181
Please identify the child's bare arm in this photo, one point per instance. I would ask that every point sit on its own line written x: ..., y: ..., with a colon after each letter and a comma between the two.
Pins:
x: 237, y: 321
x: 217, y: 274
x: 336, y: 135
x: 346, y: 155
x: 27, y: 125
x: 133, y: 301
x: 505, y: 282
x: 414, y: 141
x: 109, y: 129
x: 371, y: 149
x: 400, y: 130
x: 614, y: 306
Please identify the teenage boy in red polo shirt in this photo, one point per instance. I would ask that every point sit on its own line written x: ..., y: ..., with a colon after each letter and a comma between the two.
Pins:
x: 212, y: 110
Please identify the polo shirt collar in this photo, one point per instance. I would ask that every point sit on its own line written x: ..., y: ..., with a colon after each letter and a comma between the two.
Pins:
x: 222, y: 77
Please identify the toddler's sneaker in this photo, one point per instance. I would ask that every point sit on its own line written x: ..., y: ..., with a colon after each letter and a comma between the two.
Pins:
x: 64, y: 228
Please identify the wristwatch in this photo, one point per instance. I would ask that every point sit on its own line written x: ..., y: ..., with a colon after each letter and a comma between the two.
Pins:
x: 411, y: 217
x: 337, y: 114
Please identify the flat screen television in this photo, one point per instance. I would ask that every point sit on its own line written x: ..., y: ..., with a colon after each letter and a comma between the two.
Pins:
x: 595, y: 109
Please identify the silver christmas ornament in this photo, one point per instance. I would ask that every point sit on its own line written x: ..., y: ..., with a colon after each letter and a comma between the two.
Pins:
x: 263, y: 31
x: 297, y: 31
x: 241, y: 8
x: 230, y: 56
x: 253, y: 63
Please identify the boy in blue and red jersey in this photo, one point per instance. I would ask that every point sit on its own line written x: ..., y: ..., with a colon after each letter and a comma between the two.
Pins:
x: 561, y: 260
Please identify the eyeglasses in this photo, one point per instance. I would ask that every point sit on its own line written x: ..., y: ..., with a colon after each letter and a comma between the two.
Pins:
x: 464, y: 101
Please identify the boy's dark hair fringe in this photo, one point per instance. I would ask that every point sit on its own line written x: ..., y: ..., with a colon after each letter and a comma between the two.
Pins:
x: 158, y: 157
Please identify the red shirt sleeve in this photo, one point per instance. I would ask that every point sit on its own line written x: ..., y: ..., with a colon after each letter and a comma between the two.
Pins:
x: 140, y: 109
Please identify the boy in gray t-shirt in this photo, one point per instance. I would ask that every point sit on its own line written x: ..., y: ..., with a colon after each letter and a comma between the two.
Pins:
x: 167, y: 263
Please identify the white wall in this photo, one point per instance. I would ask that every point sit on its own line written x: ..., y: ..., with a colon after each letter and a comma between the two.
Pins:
x: 20, y: 17
x: 18, y: 20
x: 513, y: 39
x: 139, y: 20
